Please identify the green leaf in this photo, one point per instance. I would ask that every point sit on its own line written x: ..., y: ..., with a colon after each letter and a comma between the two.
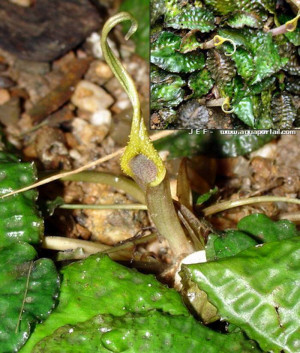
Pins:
x: 248, y: 19
x: 227, y: 244
x: 19, y: 219
x: 257, y: 290
x: 205, y: 197
x: 265, y: 230
x: 225, y: 7
x: 98, y: 285
x: 244, y: 111
x: 166, y: 89
x: 141, y: 11
x: 164, y: 54
x: 183, y: 144
x: 200, y: 83
x: 157, y: 9
x: 28, y: 291
x: 266, y: 58
x: 151, y: 332
x: 244, y: 63
x: 191, y: 17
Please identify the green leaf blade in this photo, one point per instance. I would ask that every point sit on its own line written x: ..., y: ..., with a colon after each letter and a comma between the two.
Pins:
x: 165, y: 54
x: 257, y: 290
x: 28, y: 292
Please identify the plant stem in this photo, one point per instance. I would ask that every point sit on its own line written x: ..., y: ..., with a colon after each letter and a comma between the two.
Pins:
x: 226, y: 205
x: 117, y: 181
x: 104, y: 207
x: 163, y: 214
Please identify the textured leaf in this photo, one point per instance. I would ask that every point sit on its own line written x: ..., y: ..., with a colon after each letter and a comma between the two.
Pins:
x: 257, y: 290
x: 200, y: 83
x: 248, y: 19
x: 152, y: 333
x: 225, y: 7
x: 266, y: 58
x: 19, y: 218
x: 166, y: 89
x: 221, y: 67
x: 28, y: 290
x: 244, y: 63
x: 189, y: 42
x: 182, y: 144
x: 98, y: 285
x: 140, y: 10
x: 192, y: 18
x: 283, y: 111
x: 164, y: 54
x: 244, y: 111
x: 157, y: 9
x: 228, y: 244
x: 292, y: 85
x: 265, y: 230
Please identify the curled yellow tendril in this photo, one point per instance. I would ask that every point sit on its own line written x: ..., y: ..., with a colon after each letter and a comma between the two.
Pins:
x: 218, y: 40
x: 292, y: 24
x: 226, y: 103
x: 139, y: 142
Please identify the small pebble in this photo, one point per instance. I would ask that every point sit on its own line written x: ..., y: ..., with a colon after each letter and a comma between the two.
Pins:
x: 90, y: 97
x: 101, y: 117
x: 4, y: 96
x: 6, y: 82
x: 24, y: 3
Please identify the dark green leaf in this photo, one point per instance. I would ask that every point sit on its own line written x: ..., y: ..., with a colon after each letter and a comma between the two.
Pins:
x: 164, y: 54
x: 98, y: 285
x: 265, y: 230
x: 192, y: 18
x: 266, y: 58
x: 166, y: 89
x: 244, y: 111
x: 19, y: 218
x: 152, y: 332
x: 258, y: 290
x: 200, y: 83
x: 28, y: 290
x: 228, y: 244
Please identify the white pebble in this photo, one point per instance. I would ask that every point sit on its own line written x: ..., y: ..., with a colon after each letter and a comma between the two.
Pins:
x: 90, y: 97
x: 101, y: 117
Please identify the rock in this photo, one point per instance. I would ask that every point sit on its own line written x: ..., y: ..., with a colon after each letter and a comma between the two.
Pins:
x: 6, y: 82
x: 24, y: 3
x: 101, y: 117
x: 90, y: 97
x: 32, y: 67
x: 10, y: 112
x: 4, y: 96
x: 87, y: 134
x: 48, y: 29
x: 99, y: 72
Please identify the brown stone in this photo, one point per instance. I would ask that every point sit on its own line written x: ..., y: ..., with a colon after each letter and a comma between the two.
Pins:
x: 46, y: 30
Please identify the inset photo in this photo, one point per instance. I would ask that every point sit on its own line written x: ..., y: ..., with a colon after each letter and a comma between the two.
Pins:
x: 219, y: 64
